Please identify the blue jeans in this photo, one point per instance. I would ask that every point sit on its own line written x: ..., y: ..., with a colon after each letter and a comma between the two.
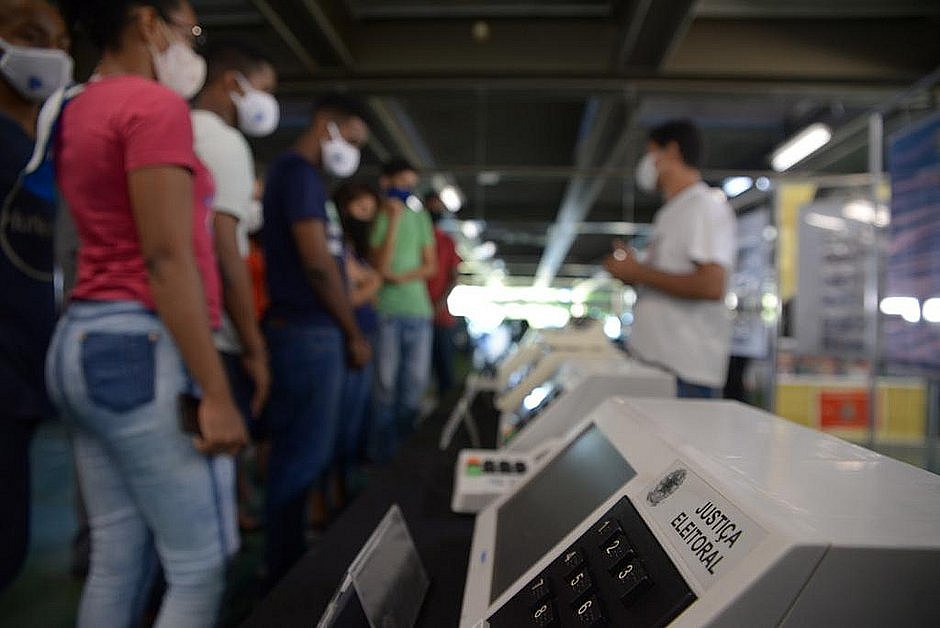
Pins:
x: 355, y: 411
x: 444, y: 359
x: 308, y: 367
x: 115, y: 375
x: 402, y: 371
x: 688, y: 390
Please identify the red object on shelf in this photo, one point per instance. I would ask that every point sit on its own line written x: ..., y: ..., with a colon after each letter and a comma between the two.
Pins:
x: 843, y: 409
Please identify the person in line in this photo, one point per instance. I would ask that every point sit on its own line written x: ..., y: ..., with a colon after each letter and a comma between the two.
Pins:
x: 237, y: 101
x: 33, y: 43
x: 135, y: 344
x: 403, y: 252
x: 439, y: 288
x: 682, y: 323
x: 310, y: 324
x: 357, y: 205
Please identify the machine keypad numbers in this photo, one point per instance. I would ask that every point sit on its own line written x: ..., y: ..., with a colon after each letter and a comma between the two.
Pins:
x: 616, y: 574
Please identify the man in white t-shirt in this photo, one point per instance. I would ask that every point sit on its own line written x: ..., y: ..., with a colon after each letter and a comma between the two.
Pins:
x: 682, y: 322
x: 236, y: 101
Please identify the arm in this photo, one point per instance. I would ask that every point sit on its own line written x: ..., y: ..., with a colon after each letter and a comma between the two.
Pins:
x: 239, y: 304
x: 324, y: 277
x: 161, y: 198
x: 425, y: 271
x: 366, y: 283
x: 705, y: 283
x: 383, y: 252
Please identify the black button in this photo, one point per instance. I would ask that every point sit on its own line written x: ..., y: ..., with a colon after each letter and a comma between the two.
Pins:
x: 520, y: 467
x: 606, y: 528
x: 489, y: 466
x: 543, y: 615
x: 630, y: 578
x: 588, y: 613
x: 539, y: 589
x: 573, y: 559
x: 505, y: 467
x: 579, y: 581
x: 615, y: 548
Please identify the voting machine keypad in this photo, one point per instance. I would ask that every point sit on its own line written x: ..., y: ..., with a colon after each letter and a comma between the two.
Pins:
x: 616, y: 574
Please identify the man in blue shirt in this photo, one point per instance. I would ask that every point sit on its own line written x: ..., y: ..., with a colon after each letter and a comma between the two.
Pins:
x: 27, y: 301
x: 310, y: 326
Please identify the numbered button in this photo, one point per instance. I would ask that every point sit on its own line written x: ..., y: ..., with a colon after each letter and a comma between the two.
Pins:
x: 573, y: 559
x: 505, y: 467
x: 520, y: 467
x: 544, y: 615
x: 588, y: 613
x: 615, y: 549
x: 489, y: 466
x: 630, y: 578
x: 539, y: 589
x: 606, y: 528
x: 580, y: 582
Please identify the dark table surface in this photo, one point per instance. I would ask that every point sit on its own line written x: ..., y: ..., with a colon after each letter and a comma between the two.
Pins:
x: 420, y: 481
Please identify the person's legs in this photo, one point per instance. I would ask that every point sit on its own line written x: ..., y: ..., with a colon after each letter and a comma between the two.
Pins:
x: 414, y: 372
x: 308, y: 368
x: 444, y: 359
x: 688, y: 390
x: 117, y: 376
x: 15, y: 436
x: 387, y: 357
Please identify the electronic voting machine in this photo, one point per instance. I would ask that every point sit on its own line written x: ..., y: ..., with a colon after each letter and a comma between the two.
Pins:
x: 703, y: 513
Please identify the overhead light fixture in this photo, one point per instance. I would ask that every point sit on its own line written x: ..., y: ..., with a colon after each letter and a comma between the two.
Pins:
x: 489, y: 178
x: 800, y: 146
x: 736, y: 186
x: 450, y: 196
x: 762, y: 184
x: 471, y: 229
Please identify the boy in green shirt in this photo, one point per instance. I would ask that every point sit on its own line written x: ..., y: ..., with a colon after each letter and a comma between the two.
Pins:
x: 404, y: 253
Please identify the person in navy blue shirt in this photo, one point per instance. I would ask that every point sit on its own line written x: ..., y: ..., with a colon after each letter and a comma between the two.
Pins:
x: 27, y: 299
x: 310, y: 325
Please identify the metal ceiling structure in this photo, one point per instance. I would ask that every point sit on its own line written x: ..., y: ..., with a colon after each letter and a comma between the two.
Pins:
x: 538, y: 110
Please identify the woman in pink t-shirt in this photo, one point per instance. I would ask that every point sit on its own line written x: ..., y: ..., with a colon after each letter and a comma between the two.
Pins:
x: 136, y: 339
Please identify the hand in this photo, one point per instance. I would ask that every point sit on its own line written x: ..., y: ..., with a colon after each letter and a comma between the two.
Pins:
x: 221, y: 424
x: 255, y: 363
x: 623, y: 265
x: 394, y: 208
x: 359, y: 351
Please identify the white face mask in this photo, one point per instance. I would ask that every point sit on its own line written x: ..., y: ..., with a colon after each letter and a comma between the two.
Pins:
x: 340, y: 158
x: 35, y: 73
x: 258, y: 111
x: 179, y: 68
x: 647, y: 176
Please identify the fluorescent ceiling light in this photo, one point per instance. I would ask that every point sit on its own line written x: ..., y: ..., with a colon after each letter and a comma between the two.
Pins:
x: 450, y: 196
x: 471, y: 229
x: 907, y: 308
x: 736, y: 186
x: 932, y: 310
x: 800, y: 146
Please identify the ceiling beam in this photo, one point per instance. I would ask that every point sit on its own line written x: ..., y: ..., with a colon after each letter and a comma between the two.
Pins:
x: 273, y: 17
x: 603, y: 119
x: 398, y: 125
x: 850, y: 90
x: 650, y: 30
x: 478, y: 10
x: 773, y: 9
x: 334, y: 25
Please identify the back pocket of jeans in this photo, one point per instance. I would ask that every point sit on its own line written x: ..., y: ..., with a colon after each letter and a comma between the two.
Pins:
x: 119, y: 369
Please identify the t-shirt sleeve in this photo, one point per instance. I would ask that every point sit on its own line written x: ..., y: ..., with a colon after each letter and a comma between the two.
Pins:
x: 303, y: 194
x: 229, y: 160
x: 158, y: 132
x: 379, y: 230
x: 712, y: 240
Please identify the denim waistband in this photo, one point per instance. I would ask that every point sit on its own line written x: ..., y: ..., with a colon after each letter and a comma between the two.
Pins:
x: 83, y: 310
